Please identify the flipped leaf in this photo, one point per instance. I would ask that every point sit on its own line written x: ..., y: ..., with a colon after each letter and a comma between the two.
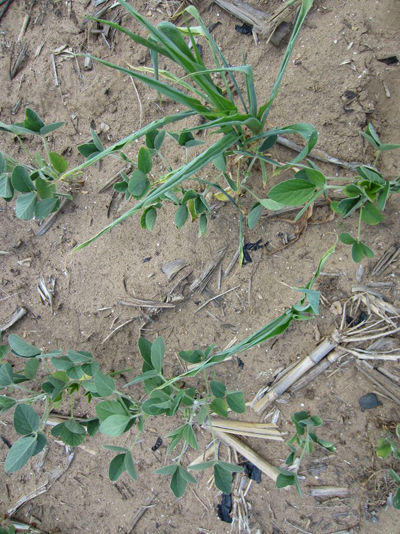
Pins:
x: 22, y: 348
x: 292, y: 192
x: 117, y: 467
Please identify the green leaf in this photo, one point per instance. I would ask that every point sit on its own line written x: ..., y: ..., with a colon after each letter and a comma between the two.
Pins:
x: 370, y: 214
x: 218, y: 389
x: 357, y: 252
x: 20, y: 453
x: 236, y: 402
x: 105, y: 385
x: 41, y: 442
x: 187, y: 476
x: 269, y: 204
x: 285, y: 478
x: 201, y: 466
x: 232, y: 468
x: 6, y: 403
x: 115, y: 448
x: 6, y: 375
x: 181, y: 215
x: 96, y: 140
x: 150, y: 218
x: 220, y: 162
x: 49, y: 128
x: 3, y: 163
x: 106, y: 409
x: 347, y: 239
x: 159, y: 139
x: 45, y: 189
x: 254, y: 215
x: 192, y: 356
x: 222, y: 478
x: 117, y: 467
x: 31, y: 368
x: 313, y: 176
x: 268, y: 143
x: 144, y: 160
x: 59, y: 163
x: 220, y: 407
x: 32, y: 121
x: 157, y: 354
x: 71, y: 432
x: 4, y: 349
x: 130, y: 466
x: 190, y: 436
x: 88, y: 150
x: 202, y: 225
x: 138, y: 183
x: 203, y: 413
x: 292, y: 192
x: 26, y: 420
x: 92, y: 426
x: 21, y: 180
x: 167, y: 470
x: 178, y: 483
x: 114, y: 425
x: 383, y: 196
x: 6, y: 190
x: 394, y: 475
x: 25, y: 206
x: 396, y: 499
x: 367, y: 251
x: 141, y: 378
x: 78, y: 357
x: 45, y: 207
x: 22, y: 348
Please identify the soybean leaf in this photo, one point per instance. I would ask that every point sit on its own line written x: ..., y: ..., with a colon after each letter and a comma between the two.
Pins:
x: 285, y: 478
x: 71, y: 432
x: 192, y: 356
x: 222, y: 478
x: 367, y: 251
x: 157, y: 354
x: 25, y: 206
x: 181, y: 216
x: 347, y: 239
x: 6, y: 375
x: 220, y: 407
x: 6, y: 403
x: 187, y: 476
x: 41, y: 442
x: 236, y: 402
x: 26, y: 420
x: 115, y: 448
x: 167, y: 470
x: 159, y: 139
x: 49, y: 128
x: 178, y: 483
x: 78, y: 357
x: 130, y: 466
x: 292, y: 192
x: 114, y: 425
x: 88, y: 150
x: 32, y: 121
x: 370, y: 214
x: 269, y: 204
x: 202, y: 415
x: 201, y: 466
x: 106, y: 409
x: 105, y: 385
x: 254, y: 215
x: 144, y: 160
x: 6, y: 189
x: 96, y: 140
x: 21, y: 180
x: 117, y: 467
x: 357, y: 252
x: 45, y: 189
x: 20, y: 453
x: 190, y: 437
x: 141, y: 378
x: 232, y: 468
x: 44, y: 207
x: 371, y: 136
x: 150, y: 218
x: 22, y: 348
x: 218, y: 389
x: 138, y: 183
x: 202, y: 225
x: 59, y: 163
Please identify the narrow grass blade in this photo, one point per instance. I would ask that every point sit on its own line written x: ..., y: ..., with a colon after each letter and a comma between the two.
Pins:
x: 305, y: 8
x: 175, y: 179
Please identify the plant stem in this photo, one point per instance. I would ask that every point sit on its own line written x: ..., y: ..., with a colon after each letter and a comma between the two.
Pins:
x: 209, y: 415
x: 72, y: 406
x: 378, y: 153
x: 25, y: 150
x: 46, y: 413
x: 136, y: 439
x: 359, y: 225
x: 162, y: 158
x: 46, y: 147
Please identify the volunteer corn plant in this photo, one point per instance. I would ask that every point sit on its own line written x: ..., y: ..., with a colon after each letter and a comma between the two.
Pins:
x: 300, y: 444
x: 366, y: 193
x: 386, y: 447
x: 52, y: 380
x: 34, y: 183
x: 215, y: 96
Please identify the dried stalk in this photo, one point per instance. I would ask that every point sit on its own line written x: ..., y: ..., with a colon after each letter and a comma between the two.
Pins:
x: 381, y: 381
x: 248, y: 453
x: 298, y: 371
x: 16, y: 316
x: 139, y: 303
x: 317, y: 370
x: 255, y: 430
x: 329, y: 492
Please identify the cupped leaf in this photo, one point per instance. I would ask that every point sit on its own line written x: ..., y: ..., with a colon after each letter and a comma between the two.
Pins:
x: 157, y: 354
x: 138, y: 183
x: 181, y: 215
x: 357, y: 251
x: 254, y: 215
x: 6, y: 189
x: 144, y: 160
x: 130, y: 466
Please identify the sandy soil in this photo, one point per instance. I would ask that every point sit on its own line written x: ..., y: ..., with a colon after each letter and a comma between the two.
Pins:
x: 338, y: 51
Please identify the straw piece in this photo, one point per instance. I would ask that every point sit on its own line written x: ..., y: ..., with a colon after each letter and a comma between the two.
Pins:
x: 248, y: 453
x: 297, y: 372
x: 383, y: 383
x: 255, y: 430
x: 201, y: 282
x: 16, y: 316
x: 318, y: 369
x: 329, y: 491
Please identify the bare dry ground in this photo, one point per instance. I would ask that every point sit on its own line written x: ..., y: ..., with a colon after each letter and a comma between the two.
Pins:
x: 338, y: 50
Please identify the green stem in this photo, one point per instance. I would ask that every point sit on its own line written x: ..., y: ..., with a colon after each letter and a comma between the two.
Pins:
x: 136, y: 439
x: 359, y: 225
x: 162, y: 158
x: 378, y: 153
x: 46, y: 413
x: 25, y: 150
x: 72, y: 406
x: 46, y: 147
x: 209, y: 414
